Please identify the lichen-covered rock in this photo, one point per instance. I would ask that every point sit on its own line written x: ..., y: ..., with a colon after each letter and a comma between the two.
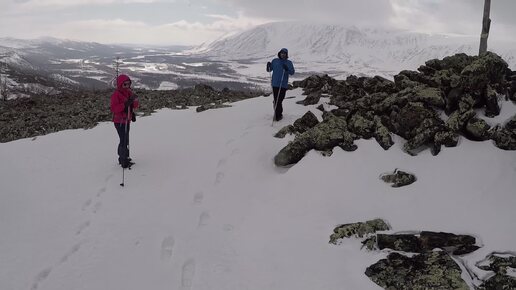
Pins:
x: 491, y: 100
x: 301, y: 125
x: 499, y: 282
x: 430, y: 270
x: 358, y: 230
x: 446, y: 138
x: 361, y: 125
x: 504, y: 139
x: 511, y: 124
x: 203, y: 108
x: 425, y: 134
x: 379, y: 84
x: 311, y: 99
x: 399, y: 178
x: 324, y: 136
x: 382, y: 134
x: 457, y: 121
x: 285, y: 131
x: 486, y: 69
x: 500, y: 266
x: 425, y: 241
x: 455, y: 63
x: 424, y: 94
x: 408, y: 119
x: 309, y: 120
x: 478, y: 129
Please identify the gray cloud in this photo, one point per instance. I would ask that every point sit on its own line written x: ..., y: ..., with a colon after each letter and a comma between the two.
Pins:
x: 435, y: 16
x: 331, y: 11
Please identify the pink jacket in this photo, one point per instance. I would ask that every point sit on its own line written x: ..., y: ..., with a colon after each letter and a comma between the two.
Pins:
x: 118, y: 99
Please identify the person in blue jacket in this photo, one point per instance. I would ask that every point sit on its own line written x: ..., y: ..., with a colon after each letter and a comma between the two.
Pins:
x: 281, y: 68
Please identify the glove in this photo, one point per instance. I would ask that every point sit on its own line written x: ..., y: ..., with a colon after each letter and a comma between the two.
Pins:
x: 130, y: 100
x: 285, y: 66
x: 133, y: 116
x: 269, y: 66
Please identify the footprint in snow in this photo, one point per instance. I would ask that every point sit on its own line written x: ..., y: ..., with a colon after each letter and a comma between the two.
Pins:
x: 41, y: 277
x: 86, y: 204
x: 219, y: 177
x: 167, y: 247
x: 198, y: 197
x: 203, y: 218
x: 101, y: 191
x: 70, y: 252
x: 221, y: 162
x: 188, y: 274
x: 82, y: 227
x: 97, y: 207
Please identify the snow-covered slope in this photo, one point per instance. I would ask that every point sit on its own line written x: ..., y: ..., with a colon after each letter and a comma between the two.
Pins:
x: 204, y: 208
x: 344, y: 49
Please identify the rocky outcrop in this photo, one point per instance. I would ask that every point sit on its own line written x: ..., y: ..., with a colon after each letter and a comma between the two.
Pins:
x: 358, y: 230
x: 40, y: 115
x: 424, y: 242
x: 324, y: 136
x: 308, y: 121
x: 415, y: 104
x: 500, y: 265
x: 430, y: 270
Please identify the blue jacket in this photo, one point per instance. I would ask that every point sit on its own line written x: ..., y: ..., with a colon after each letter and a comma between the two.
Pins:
x: 279, y: 73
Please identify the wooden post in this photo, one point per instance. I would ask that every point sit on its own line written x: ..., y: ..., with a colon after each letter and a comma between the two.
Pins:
x: 486, y: 24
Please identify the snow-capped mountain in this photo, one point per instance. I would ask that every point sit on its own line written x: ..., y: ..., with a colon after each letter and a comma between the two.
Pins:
x: 340, y: 49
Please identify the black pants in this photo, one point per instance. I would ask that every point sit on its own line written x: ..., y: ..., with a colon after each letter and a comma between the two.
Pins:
x: 279, y: 96
x: 123, y: 146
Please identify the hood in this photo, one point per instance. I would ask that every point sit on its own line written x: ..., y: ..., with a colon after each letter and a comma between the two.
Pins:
x: 283, y: 49
x: 120, y: 80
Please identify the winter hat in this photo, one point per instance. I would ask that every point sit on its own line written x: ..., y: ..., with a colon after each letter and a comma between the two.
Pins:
x: 283, y: 50
x: 121, y: 79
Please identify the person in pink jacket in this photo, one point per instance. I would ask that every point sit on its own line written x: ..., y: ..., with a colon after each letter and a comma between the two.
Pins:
x: 123, y: 102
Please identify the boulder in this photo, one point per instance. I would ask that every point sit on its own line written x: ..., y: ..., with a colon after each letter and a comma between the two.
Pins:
x: 430, y: 270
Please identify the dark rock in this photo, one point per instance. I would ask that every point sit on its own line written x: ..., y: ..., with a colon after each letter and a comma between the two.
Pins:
x: 457, y: 121
x: 426, y: 242
x: 379, y: 84
x: 511, y: 124
x: 446, y: 138
x: 362, y: 124
x: 382, y: 134
x: 486, y: 69
x: 325, y: 136
x: 491, y: 102
x: 203, y: 108
x: 321, y: 108
x: 358, y: 230
x: 399, y: 178
x: 311, y: 99
x: 284, y: 131
x: 430, y: 270
x: 504, y: 139
x: 424, y: 94
x: 499, y: 265
x: 477, y: 129
x: 309, y: 120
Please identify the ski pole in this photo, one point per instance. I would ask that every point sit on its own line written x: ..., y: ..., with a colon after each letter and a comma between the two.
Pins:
x: 276, y: 97
x: 126, y: 146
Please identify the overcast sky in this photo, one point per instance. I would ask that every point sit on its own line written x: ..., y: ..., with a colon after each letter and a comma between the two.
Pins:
x: 191, y: 22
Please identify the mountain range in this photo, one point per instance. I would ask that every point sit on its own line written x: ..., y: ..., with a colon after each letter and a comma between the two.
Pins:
x: 50, y: 65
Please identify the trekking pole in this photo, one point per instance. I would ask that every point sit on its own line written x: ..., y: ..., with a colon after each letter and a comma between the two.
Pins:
x: 126, y: 146
x: 275, y: 100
